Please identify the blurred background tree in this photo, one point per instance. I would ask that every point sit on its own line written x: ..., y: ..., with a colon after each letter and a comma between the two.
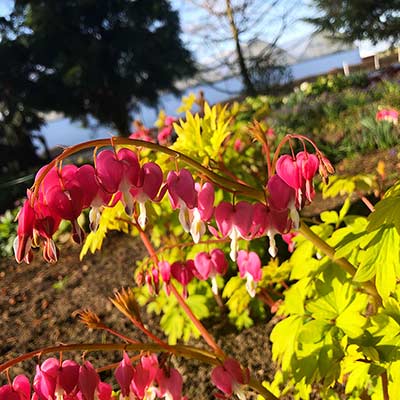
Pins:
x: 91, y: 60
x: 18, y: 117
x: 351, y: 20
x: 242, y: 37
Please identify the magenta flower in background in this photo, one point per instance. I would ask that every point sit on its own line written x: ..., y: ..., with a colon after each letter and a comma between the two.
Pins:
x: 164, y: 135
x: 388, y: 114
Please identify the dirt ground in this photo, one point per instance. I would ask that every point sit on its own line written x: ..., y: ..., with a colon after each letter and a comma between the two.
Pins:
x: 37, y: 301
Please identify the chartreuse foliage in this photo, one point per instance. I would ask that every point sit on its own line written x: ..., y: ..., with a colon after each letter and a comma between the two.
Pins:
x: 333, y: 333
x: 201, y: 138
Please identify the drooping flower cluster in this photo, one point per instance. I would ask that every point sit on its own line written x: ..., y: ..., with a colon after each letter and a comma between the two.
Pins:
x: 69, y: 380
x: 118, y: 175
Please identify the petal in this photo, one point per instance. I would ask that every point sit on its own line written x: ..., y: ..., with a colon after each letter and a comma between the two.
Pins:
x: 223, y: 217
x: 203, y: 264
x: 69, y: 375
x: 219, y: 261
x: 108, y: 170
x: 243, y: 217
x: 152, y: 178
x: 280, y: 193
x: 205, y: 201
x: 88, y: 380
x: 22, y: 385
x: 289, y: 171
x: 124, y: 374
x: 222, y: 379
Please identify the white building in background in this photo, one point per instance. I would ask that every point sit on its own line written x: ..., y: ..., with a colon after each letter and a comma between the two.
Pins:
x: 305, y: 57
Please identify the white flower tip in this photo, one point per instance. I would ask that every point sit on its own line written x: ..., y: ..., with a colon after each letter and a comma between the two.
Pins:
x: 251, y: 285
x: 214, y: 286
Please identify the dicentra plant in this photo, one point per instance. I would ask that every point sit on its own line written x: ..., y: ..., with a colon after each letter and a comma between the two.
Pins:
x: 210, y: 196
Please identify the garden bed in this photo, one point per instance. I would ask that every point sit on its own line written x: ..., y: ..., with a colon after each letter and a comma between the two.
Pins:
x: 38, y: 301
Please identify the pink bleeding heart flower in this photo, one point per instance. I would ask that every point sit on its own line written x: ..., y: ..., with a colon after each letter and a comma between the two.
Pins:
x: 152, y: 279
x: 238, y: 145
x: 165, y: 271
x: 65, y: 197
x: 249, y: 264
x: 94, y: 194
x: 170, y: 384
x: 148, y: 185
x: 23, y: 242
x: 88, y: 381
x: 169, y: 120
x: 229, y: 377
x: 183, y: 272
x: 209, y: 265
x: 164, y: 136
x: 309, y: 165
x: 282, y: 197
x: 182, y: 194
x: 288, y: 239
x: 201, y: 214
x: 141, y: 133
x: 118, y: 171
x: 298, y: 174
x: 289, y: 171
x: 19, y: 390
x: 280, y: 223
x: 104, y: 391
x: 144, y: 375
x: 124, y: 374
x: 234, y: 221
x: 260, y: 222
x: 45, y: 226
x: 55, y: 381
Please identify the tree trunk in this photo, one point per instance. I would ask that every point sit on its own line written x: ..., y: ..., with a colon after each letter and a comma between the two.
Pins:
x: 249, y: 87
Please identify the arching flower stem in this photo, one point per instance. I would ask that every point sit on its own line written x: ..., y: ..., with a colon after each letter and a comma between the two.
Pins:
x: 222, y: 182
x: 178, y: 350
x: 206, y: 335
